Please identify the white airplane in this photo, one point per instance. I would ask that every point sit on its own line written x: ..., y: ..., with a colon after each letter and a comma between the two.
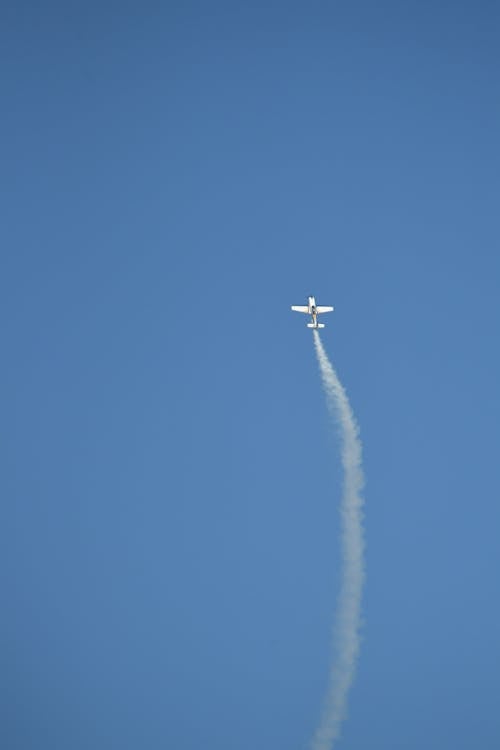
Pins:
x: 313, y: 310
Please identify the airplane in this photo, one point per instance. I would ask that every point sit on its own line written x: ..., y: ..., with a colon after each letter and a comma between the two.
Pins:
x: 313, y: 310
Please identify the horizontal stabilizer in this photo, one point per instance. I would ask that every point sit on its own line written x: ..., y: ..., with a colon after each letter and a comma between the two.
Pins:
x: 318, y: 325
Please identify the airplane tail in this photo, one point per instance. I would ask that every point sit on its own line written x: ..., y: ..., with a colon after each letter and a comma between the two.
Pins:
x: 318, y: 325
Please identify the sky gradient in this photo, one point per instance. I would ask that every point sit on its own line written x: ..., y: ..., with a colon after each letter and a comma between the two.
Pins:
x: 175, y: 176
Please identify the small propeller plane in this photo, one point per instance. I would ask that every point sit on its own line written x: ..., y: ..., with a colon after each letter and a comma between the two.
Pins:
x: 313, y: 310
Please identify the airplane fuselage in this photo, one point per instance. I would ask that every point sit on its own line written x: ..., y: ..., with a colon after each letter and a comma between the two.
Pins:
x: 312, y: 310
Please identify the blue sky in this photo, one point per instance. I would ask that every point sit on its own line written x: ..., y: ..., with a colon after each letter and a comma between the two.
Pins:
x: 174, y: 176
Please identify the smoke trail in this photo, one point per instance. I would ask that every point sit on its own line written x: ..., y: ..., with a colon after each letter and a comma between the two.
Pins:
x: 348, y: 614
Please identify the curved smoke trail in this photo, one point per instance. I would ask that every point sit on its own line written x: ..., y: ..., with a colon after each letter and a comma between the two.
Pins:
x: 348, y: 614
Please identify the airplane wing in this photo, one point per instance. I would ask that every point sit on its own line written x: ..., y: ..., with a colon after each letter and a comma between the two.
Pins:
x: 300, y: 308
x: 324, y: 309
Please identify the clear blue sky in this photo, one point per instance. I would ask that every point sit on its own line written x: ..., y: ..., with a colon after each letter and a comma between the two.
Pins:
x: 173, y: 177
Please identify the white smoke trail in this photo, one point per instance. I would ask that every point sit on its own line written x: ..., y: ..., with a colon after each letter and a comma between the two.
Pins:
x: 348, y: 614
